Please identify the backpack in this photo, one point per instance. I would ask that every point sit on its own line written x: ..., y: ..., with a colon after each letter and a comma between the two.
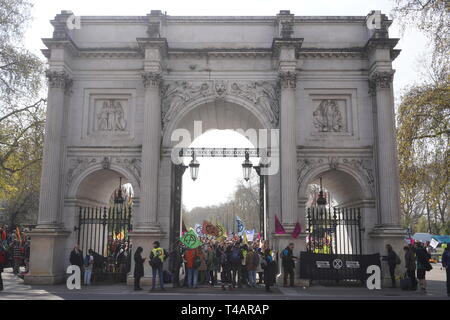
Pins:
x: 197, y: 262
x: 236, y: 256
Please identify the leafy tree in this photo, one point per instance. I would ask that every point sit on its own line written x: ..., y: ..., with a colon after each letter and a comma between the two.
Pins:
x: 21, y: 113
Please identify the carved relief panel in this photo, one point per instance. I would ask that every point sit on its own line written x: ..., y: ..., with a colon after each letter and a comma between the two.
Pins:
x: 333, y: 113
x: 109, y: 113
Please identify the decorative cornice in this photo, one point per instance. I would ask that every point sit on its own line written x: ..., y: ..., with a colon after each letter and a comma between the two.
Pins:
x: 221, y: 53
x: 156, y: 43
x: 58, y: 79
x: 288, y: 79
x: 152, y: 80
x: 290, y: 43
x: 380, y: 79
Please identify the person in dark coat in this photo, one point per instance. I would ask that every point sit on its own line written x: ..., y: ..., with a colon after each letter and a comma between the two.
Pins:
x: 3, y: 260
x: 446, y: 265
x: 410, y: 265
x: 138, y: 268
x: 392, y: 260
x: 269, y: 270
x: 423, y: 265
x: 288, y: 264
x: 76, y: 257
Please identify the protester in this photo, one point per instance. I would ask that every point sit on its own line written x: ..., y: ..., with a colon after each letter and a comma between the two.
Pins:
x: 235, y: 259
x: 225, y: 254
x: 288, y: 264
x: 423, y: 265
x: 27, y: 252
x: 251, y: 263
x: 269, y: 269
x: 76, y: 257
x: 138, y: 268
x: 410, y: 265
x: 243, y: 272
x: 3, y: 259
x: 157, y: 258
x: 88, y: 266
x: 17, y: 255
x: 192, y: 264
x: 446, y: 265
x: 393, y: 260
x: 203, y: 268
x: 210, y: 266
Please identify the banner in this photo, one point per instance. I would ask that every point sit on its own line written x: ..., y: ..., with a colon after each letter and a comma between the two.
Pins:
x: 296, y: 231
x: 210, y: 229
x: 240, y: 226
x: 317, y: 266
x: 191, y: 240
x: 278, y: 227
x: 222, y: 232
x: 198, y: 229
x: 250, y: 234
x: 434, y: 243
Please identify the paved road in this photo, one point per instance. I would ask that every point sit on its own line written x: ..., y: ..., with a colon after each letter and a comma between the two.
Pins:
x: 16, y: 289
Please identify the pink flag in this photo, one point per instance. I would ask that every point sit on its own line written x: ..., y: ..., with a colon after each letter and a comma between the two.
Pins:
x: 259, y: 236
x: 278, y: 227
x: 296, y: 231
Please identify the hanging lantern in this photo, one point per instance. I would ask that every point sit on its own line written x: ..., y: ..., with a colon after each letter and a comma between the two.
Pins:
x: 193, y: 167
x: 247, y: 166
x: 321, y: 201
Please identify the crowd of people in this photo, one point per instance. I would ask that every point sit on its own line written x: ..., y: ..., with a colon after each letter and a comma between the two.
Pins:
x: 417, y: 264
x: 229, y: 264
x: 14, y: 251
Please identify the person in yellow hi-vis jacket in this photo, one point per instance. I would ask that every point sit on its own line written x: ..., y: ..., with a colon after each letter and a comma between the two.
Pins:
x: 157, y: 257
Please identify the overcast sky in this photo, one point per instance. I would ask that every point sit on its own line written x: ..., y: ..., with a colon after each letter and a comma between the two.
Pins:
x: 220, y: 177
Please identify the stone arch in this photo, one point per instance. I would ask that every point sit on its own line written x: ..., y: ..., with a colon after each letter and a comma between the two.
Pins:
x: 356, y: 186
x: 96, y: 184
x: 260, y: 119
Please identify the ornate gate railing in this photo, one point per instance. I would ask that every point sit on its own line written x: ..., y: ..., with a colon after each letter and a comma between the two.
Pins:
x: 334, y: 232
x: 105, y: 231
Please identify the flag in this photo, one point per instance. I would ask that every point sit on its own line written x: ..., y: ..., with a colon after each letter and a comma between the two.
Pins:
x: 209, y: 229
x: 198, y: 229
x: 278, y: 227
x: 222, y: 232
x: 240, y: 226
x: 250, y: 234
x: 259, y: 236
x: 18, y: 234
x: 191, y: 240
x: 296, y: 231
x: 245, y: 241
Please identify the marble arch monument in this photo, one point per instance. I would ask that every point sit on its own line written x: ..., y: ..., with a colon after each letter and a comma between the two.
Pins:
x: 119, y: 85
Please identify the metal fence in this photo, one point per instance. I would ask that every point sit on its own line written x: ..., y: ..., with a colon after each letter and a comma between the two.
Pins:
x: 105, y: 231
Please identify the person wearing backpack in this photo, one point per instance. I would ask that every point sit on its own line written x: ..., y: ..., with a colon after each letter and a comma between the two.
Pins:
x: 423, y: 265
x: 288, y: 264
x: 157, y: 257
x: 235, y: 260
x: 393, y: 260
x: 192, y: 261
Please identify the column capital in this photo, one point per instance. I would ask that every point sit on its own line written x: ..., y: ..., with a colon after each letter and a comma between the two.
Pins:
x: 380, y: 80
x: 152, y: 80
x: 288, y: 79
x: 58, y: 79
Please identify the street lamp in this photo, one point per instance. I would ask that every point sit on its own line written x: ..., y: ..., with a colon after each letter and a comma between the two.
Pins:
x: 193, y: 167
x: 118, y: 198
x: 247, y: 166
x: 321, y: 201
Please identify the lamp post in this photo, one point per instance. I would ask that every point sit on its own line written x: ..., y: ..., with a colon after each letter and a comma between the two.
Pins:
x: 193, y: 167
x: 247, y: 166
x: 118, y: 198
x: 321, y: 201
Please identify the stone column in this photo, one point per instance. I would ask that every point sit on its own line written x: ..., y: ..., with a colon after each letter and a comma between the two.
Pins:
x: 151, y: 141
x: 47, y: 240
x: 288, y: 148
x: 49, y: 203
x: 388, y: 176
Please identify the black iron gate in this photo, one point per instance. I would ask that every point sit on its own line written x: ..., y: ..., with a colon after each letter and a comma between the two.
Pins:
x: 334, y: 232
x: 105, y: 231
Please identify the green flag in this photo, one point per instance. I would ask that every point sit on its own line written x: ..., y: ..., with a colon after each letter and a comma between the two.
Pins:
x: 191, y: 240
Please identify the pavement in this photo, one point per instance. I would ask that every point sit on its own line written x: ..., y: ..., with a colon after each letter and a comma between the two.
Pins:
x: 15, y: 289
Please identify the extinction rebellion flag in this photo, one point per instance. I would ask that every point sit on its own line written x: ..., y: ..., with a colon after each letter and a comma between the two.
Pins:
x: 191, y: 240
